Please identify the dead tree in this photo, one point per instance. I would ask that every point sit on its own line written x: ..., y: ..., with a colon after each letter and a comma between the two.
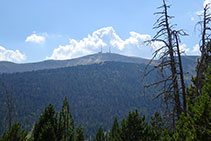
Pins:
x: 205, y: 47
x: 181, y: 73
x: 169, y: 56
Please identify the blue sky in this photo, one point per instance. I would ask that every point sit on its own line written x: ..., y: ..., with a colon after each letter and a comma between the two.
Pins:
x: 36, y: 30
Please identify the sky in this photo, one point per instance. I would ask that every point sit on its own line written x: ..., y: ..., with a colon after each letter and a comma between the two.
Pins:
x: 37, y: 30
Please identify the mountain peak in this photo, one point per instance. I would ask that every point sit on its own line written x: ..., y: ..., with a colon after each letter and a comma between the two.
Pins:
x: 9, y: 67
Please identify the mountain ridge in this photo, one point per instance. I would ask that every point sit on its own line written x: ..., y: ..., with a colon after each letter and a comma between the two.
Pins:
x: 10, y: 67
x: 96, y: 92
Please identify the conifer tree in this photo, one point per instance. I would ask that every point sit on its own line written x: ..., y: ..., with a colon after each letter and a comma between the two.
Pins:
x: 156, y: 127
x: 134, y: 128
x: 66, y: 123
x: 47, y: 133
x: 196, y: 125
x: 79, y: 134
x: 47, y: 125
x: 15, y: 133
x: 115, y: 131
x: 100, y: 134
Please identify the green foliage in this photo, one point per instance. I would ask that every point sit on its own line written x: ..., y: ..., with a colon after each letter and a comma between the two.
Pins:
x: 135, y: 128
x: 79, y: 134
x: 157, y: 127
x: 47, y: 133
x: 196, y: 125
x: 115, y: 131
x: 66, y: 123
x: 46, y: 128
x: 99, y: 92
x: 14, y: 134
x: 100, y: 134
x: 166, y: 136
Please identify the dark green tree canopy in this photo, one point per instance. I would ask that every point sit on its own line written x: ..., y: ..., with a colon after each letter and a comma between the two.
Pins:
x: 79, y: 134
x: 47, y: 122
x: 100, y: 134
x: 115, y: 131
x: 66, y: 123
x: 14, y: 134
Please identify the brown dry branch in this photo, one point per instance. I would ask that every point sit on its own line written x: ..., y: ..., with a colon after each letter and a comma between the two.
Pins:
x: 169, y: 61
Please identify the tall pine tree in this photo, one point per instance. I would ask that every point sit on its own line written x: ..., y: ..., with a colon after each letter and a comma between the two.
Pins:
x: 135, y: 128
x: 115, y: 131
x: 66, y: 123
x: 15, y: 133
x: 196, y: 125
x: 79, y: 134
x: 46, y: 128
x: 100, y: 134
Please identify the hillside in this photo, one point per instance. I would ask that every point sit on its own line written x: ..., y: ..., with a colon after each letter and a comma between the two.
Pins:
x: 96, y: 93
x: 9, y: 67
x: 99, y: 87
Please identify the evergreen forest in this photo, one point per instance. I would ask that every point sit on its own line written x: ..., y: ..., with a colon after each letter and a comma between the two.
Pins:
x: 166, y: 98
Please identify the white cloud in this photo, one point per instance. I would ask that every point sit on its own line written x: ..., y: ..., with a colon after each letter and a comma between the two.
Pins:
x: 34, y: 38
x: 193, y: 51
x: 196, y: 50
x: 199, y: 13
x: 105, y: 38
x: 192, y: 19
x: 207, y: 2
x: 10, y: 55
x: 184, y: 49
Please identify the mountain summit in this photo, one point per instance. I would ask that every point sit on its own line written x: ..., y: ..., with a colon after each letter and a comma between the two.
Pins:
x: 9, y: 67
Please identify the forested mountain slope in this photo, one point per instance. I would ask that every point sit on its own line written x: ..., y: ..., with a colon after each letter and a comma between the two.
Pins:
x: 96, y: 93
x: 9, y: 67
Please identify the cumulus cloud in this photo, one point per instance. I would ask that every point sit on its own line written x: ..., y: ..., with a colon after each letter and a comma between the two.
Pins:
x: 10, y: 55
x: 196, y: 50
x: 191, y: 51
x: 184, y: 49
x: 207, y: 2
x: 34, y: 38
x: 104, y: 39
x: 107, y: 39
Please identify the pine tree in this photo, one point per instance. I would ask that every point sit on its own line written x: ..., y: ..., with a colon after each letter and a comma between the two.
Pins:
x: 79, y: 134
x: 100, y: 135
x: 156, y: 127
x: 15, y: 133
x: 135, y: 128
x: 47, y: 133
x: 196, y: 124
x: 47, y: 125
x: 66, y: 123
x: 115, y: 131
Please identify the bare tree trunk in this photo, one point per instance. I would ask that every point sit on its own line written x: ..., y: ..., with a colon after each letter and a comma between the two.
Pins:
x: 167, y: 54
x: 173, y: 65
x: 201, y: 61
x: 181, y: 75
